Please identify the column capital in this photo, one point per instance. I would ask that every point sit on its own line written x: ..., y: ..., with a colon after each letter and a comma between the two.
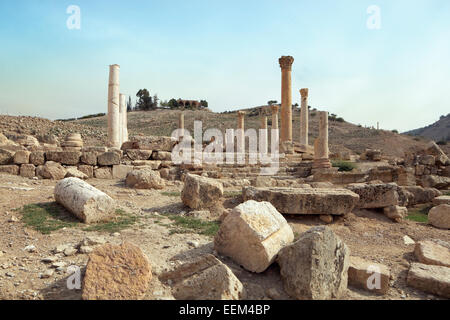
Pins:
x: 304, y: 92
x: 286, y: 62
x: 275, y: 108
x: 241, y: 113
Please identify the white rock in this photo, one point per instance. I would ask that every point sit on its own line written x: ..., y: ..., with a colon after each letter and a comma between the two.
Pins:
x: 408, y: 241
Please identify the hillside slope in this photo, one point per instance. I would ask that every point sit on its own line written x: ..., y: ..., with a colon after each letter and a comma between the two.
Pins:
x: 438, y: 131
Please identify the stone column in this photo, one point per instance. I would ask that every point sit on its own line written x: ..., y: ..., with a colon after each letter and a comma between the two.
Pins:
x: 123, y: 119
x: 275, y: 116
x: 286, y: 98
x: 241, y: 125
x: 304, y: 117
x: 321, y: 151
x: 181, y: 124
x: 113, y: 106
x: 264, y: 137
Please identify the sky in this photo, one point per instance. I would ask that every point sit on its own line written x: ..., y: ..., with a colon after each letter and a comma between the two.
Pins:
x: 226, y: 52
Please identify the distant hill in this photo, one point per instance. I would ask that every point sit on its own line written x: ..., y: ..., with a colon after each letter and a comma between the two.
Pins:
x: 438, y: 131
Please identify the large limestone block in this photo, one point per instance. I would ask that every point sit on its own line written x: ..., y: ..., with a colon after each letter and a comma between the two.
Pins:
x: 27, y: 170
x: 432, y: 279
x: 64, y: 157
x: 433, y: 181
x: 430, y: 252
x: 120, y: 171
x: 37, y: 158
x: 25, y: 140
x: 108, y: 159
x: 367, y: 275
x: 433, y: 149
x: 136, y: 154
x: 87, y: 170
x: 103, y: 173
x: 204, y: 278
x: 152, y: 143
x: 83, y: 200
x: 9, y: 169
x: 396, y: 213
x: 441, y: 200
x: 116, y: 273
x: 439, y: 216
x: 162, y: 155
x: 73, y: 172
x: 305, y: 200
x: 200, y: 192
x: 253, y: 234
x: 152, y: 164
x: 144, y: 179
x: 316, y: 266
x: 375, y: 195
x: 51, y: 170
x: 421, y: 195
x: 89, y: 158
x: 6, y: 156
x: 22, y: 157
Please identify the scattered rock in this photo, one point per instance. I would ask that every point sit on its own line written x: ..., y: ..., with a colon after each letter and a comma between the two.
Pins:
x: 47, y: 274
x: 144, y: 179
x: 441, y: 200
x: 253, y: 234
x: 326, y: 218
x: 368, y: 275
x: 408, y: 241
x: 31, y: 248
x: 316, y: 266
x: 439, y: 216
x: 429, y: 252
x: 200, y: 192
x: 431, y: 279
x: 375, y: 195
x: 73, y: 172
x: 396, y: 213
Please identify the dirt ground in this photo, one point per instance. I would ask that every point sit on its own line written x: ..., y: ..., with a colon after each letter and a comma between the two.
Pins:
x: 368, y: 234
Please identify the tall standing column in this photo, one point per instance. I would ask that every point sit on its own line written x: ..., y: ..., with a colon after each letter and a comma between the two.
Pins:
x: 321, y: 150
x: 275, y: 110
x: 113, y: 106
x: 181, y: 124
x: 264, y: 137
x: 123, y: 119
x: 286, y: 98
x: 304, y: 131
x: 241, y: 129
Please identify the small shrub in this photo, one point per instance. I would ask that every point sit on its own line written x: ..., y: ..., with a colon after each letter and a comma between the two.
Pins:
x: 344, y: 166
x: 395, y: 131
x: 442, y: 143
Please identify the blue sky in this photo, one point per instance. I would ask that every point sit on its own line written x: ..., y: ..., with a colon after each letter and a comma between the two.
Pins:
x: 227, y: 53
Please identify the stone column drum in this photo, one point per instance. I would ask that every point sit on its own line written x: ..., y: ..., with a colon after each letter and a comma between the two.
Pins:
x: 241, y: 130
x: 113, y: 106
x: 304, y: 130
x: 123, y: 119
x: 286, y: 98
x: 264, y: 137
x: 321, y: 152
x: 275, y: 110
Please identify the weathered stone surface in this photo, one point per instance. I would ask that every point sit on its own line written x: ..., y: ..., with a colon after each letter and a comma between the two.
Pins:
x: 144, y: 179
x: 305, y: 200
x: 153, y: 143
x: 87, y: 170
x: 24, y: 140
x: 103, y: 173
x: 204, y: 278
x: 162, y: 155
x: 440, y: 156
x: 51, y: 170
x: 200, y: 192
x: 151, y: 164
x: 421, y: 195
x: 432, y: 279
x: 108, y: 159
x: 22, y: 157
x: 430, y: 252
x: 117, y: 273
x: 83, y: 200
x: 433, y: 181
x: 367, y: 275
x: 137, y: 154
x: 73, y: 172
x: 9, y: 169
x: 253, y: 234
x: 64, y: 157
x: 375, y: 195
x: 439, y: 216
x: 37, y: 158
x: 427, y: 160
x: 316, y: 266
x: 441, y: 200
x: 27, y: 170
x: 120, y: 171
x: 89, y: 158
x: 396, y: 213
x: 6, y: 156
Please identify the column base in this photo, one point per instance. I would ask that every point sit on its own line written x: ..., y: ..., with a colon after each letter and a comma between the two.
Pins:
x: 322, y: 164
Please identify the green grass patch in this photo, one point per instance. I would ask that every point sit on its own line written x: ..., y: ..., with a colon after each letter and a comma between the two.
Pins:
x: 121, y: 221
x: 420, y: 214
x: 47, y: 217
x: 447, y: 193
x: 171, y: 194
x: 344, y: 166
x: 182, y: 224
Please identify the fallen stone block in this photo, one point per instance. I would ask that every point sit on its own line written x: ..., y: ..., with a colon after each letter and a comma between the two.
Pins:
x: 439, y: 216
x: 6, y: 156
x: 116, y: 273
x: 108, y: 158
x: 316, y: 266
x: 144, y: 179
x: 87, y: 170
x: 433, y: 181
x: 149, y: 164
x: 367, y: 275
x: 431, y: 253
x: 27, y: 170
x: 89, y: 158
x: 73, y: 172
x: 64, y: 157
x: 51, y: 170
x: 421, y: 195
x: 120, y: 171
x: 204, y: 278
x: 87, y: 203
x: 431, y: 279
x: 375, y: 195
x: 162, y: 155
x: 22, y: 157
x: 152, y: 143
x: 200, y: 192
x: 103, y: 173
x: 137, y: 154
x: 9, y: 169
x: 37, y: 158
x: 253, y: 234
x: 305, y: 200
x: 441, y: 200
x: 396, y: 213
